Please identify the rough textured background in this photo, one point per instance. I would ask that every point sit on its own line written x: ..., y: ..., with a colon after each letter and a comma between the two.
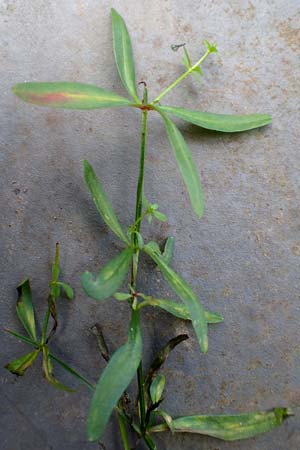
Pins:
x: 242, y: 258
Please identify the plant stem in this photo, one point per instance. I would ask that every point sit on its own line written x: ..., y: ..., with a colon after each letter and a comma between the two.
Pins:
x: 138, y: 215
x: 123, y: 431
x: 182, y: 77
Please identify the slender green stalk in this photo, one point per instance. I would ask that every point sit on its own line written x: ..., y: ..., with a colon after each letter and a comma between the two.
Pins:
x: 123, y: 431
x: 182, y: 77
x: 138, y: 216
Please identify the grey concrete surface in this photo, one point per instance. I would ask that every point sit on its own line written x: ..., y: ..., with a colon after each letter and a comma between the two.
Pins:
x: 242, y: 258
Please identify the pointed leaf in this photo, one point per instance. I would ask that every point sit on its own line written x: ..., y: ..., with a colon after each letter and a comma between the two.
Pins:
x: 101, y: 201
x: 69, y: 95
x: 219, y: 122
x: 109, y: 279
x: 161, y: 357
x: 22, y: 338
x: 229, y: 427
x: 25, y: 309
x: 72, y: 371
x: 186, y: 164
x: 67, y: 288
x: 186, y: 294
x: 20, y: 365
x: 114, y: 380
x: 168, y: 250
x: 123, y: 54
x: 181, y: 311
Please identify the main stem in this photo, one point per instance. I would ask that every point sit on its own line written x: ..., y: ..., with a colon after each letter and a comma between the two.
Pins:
x: 135, y: 260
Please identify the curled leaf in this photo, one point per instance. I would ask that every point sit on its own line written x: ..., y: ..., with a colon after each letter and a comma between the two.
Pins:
x: 161, y: 357
x: 20, y: 365
x: 109, y: 279
x: 48, y: 372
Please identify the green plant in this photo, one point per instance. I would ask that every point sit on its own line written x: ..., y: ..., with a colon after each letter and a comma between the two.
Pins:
x: 127, y: 360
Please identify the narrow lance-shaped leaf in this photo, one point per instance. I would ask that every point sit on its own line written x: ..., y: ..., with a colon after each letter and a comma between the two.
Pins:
x: 186, y: 294
x: 180, y: 311
x: 101, y: 201
x: 67, y: 95
x: 161, y: 357
x: 114, y: 380
x: 20, y: 365
x: 123, y: 54
x: 219, y: 122
x: 229, y: 427
x: 109, y: 279
x: 25, y: 309
x: 186, y: 164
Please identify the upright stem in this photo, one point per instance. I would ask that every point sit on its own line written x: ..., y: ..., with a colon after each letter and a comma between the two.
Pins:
x: 138, y: 213
x: 182, y: 77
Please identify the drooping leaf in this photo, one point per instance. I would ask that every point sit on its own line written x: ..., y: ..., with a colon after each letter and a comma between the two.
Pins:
x: 67, y: 288
x: 229, y: 427
x: 167, y: 254
x: 20, y: 365
x: 109, y: 279
x: 159, y: 216
x: 67, y: 95
x: 161, y: 357
x: 123, y: 54
x: 219, y: 122
x: 180, y: 311
x: 114, y: 380
x: 72, y: 371
x: 48, y: 372
x: 157, y: 387
x: 185, y: 164
x: 186, y: 294
x: 101, y: 201
x: 25, y: 309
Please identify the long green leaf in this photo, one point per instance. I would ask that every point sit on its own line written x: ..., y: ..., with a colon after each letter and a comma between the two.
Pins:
x: 123, y: 54
x: 114, y: 380
x: 20, y: 365
x: 68, y: 95
x: 229, y: 427
x: 101, y: 201
x: 109, y: 279
x: 186, y: 165
x: 25, y: 309
x: 186, y: 294
x: 181, y: 311
x: 72, y: 371
x: 219, y: 122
